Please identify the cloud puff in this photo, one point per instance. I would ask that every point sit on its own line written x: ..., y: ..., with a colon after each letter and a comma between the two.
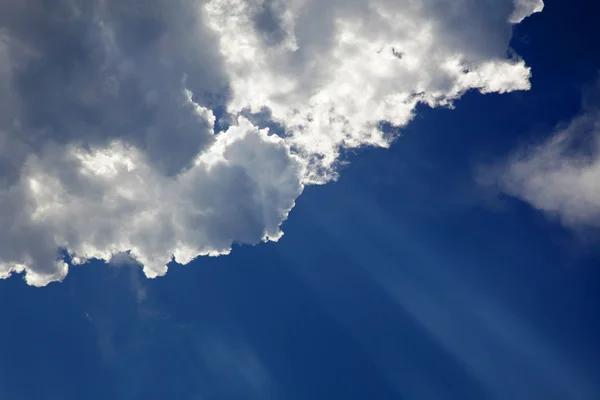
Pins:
x: 111, y: 115
x: 100, y: 202
x: 524, y: 8
x: 559, y: 176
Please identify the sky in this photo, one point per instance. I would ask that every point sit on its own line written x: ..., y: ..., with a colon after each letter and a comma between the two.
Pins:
x: 262, y: 199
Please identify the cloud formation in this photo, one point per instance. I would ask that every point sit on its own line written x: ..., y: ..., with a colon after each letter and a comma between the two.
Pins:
x: 561, y: 175
x: 112, y: 114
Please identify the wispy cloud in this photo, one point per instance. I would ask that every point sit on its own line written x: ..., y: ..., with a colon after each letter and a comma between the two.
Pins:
x: 561, y: 174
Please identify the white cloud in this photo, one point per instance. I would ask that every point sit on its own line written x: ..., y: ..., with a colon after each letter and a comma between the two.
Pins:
x: 559, y: 176
x: 107, y: 131
x: 340, y: 67
x: 524, y: 8
x: 100, y: 202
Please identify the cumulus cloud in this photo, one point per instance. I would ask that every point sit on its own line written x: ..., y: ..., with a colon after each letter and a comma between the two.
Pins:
x: 126, y: 128
x: 559, y: 176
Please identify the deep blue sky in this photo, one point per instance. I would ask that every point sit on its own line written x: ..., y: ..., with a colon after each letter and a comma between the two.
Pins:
x: 404, y: 280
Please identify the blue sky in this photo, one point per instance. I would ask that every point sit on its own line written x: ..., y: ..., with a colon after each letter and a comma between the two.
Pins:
x: 407, y: 278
